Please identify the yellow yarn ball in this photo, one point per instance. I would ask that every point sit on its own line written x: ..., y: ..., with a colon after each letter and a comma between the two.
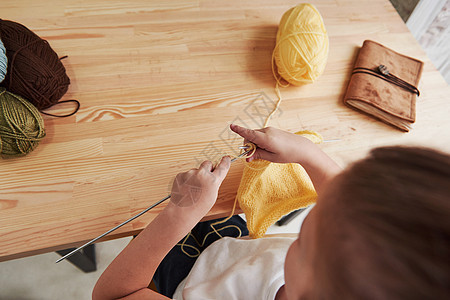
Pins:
x: 301, y: 51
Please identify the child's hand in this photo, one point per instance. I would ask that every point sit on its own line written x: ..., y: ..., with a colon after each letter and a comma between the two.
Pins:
x: 277, y: 145
x: 193, y: 194
x: 198, y: 188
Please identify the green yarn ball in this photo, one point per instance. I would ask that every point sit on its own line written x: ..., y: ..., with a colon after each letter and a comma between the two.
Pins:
x: 21, y: 125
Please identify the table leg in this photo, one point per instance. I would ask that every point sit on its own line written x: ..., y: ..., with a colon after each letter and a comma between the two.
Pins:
x: 83, y: 259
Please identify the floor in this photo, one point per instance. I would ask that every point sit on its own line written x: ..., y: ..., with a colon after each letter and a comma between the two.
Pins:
x: 38, y: 277
x: 435, y: 39
x: 430, y: 25
x: 404, y: 7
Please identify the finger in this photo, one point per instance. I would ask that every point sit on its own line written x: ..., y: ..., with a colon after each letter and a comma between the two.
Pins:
x: 207, y: 165
x: 262, y: 130
x: 261, y: 154
x: 255, y: 136
x: 222, y: 168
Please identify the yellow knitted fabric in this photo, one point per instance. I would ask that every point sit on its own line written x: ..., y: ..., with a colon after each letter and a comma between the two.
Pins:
x: 269, y: 191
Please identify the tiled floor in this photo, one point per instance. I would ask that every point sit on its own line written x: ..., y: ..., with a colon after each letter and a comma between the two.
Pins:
x: 38, y: 277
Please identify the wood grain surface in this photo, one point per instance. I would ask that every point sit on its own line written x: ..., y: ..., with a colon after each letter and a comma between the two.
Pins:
x: 159, y: 82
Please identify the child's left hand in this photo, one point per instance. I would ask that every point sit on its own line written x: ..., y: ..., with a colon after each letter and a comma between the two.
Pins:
x: 198, y: 188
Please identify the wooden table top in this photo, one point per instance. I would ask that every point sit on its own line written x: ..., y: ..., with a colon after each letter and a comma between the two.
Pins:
x: 159, y: 82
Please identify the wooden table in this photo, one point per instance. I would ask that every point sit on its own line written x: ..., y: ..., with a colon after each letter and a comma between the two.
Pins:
x: 159, y: 83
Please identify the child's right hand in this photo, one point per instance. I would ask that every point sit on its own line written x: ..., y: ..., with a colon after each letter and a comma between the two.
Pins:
x: 276, y: 145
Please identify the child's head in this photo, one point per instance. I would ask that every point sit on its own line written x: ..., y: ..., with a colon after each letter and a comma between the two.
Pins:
x: 381, y: 230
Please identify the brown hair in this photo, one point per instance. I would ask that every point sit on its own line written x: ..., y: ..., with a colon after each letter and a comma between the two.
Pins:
x: 386, y: 234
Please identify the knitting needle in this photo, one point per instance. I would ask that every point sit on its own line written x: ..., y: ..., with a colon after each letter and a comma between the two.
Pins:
x: 129, y: 220
x: 326, y: 141
x: 112, y: 229
x: 242, y: 154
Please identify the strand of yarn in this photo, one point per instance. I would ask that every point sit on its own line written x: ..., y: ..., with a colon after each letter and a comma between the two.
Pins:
x: 183, y: 245
x: 301, y: 49
x: 35, y: 71
x: 214, y: 231
x: 251, y: 148
x: 3, y: 61
x: 277, y: 92
x: 21, y: 125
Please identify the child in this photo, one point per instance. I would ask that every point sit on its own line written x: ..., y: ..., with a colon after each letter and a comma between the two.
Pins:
x: 380, y: 230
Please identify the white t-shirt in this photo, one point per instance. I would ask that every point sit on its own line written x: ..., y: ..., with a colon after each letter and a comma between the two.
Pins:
x: 233, y: 268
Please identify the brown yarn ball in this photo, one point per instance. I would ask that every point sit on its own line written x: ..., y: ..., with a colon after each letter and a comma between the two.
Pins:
x: 35, y: 71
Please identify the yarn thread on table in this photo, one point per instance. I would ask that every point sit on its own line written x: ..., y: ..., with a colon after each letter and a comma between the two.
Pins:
x: 3, y: 61
x: 35, y: 71
x: 301, y: 50
x: 21, y: 125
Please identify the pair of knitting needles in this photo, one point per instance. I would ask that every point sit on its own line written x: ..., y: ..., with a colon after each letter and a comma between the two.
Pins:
x: 138, y: 215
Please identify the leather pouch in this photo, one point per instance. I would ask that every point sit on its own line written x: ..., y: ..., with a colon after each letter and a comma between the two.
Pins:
x: 383, y: 84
